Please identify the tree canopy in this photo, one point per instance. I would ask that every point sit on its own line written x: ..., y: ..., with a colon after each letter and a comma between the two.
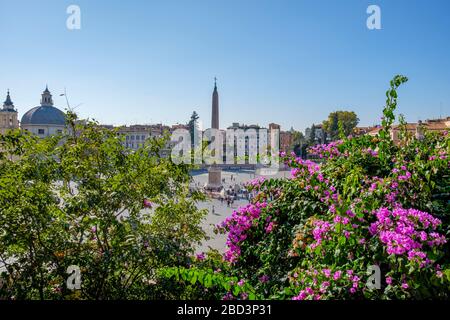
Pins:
x: 349, y: 120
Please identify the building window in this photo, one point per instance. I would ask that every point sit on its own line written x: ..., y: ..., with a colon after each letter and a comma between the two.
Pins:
x: 137, y: 137
x: 132, y: 137
x: 143, y: 137
x: 41, y: 131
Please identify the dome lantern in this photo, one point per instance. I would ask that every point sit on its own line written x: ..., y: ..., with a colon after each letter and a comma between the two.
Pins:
x: 46, y: 99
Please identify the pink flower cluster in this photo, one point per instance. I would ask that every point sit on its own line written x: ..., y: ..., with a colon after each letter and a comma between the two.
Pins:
x: 237, y: 226
x: 402, y: 176
x: 256, y: 182
x: 329, y: 279
x: 442, y: 156
x: 320, y: 232
x: 370, y: 152
x: 200, y: 256
x: 270, y: 227
x: 148, y: 203
x: 308, y: 292
x: 327, y: 151
x: 305, y: 166
x: 407, y: 232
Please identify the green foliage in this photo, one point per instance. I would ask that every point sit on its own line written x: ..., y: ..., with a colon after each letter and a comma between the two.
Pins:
x: 80, y: 199
x: 193, y: 128
x: 298, y: 139
x: 340, y: 123
x: 312, y: 135
x: 314, y: 236
x: 206, y: 281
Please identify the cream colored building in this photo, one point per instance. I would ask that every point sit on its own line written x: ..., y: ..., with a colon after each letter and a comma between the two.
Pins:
x: 8, y: 116
x: 136, y: 135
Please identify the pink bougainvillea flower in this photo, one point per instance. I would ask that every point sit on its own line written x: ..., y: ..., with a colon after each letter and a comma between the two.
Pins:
x: 148, y: 203
x: 407, y: 232
x: 228, y: 296
x: 337, y: 275
x: 270, y: 227
x: 327, y: 272
x: 301, y: 296
x: 200, y: 256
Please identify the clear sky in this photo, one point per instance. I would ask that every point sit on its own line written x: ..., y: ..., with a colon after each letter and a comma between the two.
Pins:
x: 288, y: 62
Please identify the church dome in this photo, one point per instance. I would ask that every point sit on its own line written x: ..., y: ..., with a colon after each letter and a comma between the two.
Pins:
x: 45, y: 114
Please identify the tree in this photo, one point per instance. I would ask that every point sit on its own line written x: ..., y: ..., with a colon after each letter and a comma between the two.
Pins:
x: 297, y: 137
x: 348, y: 119
x: 84, y: 199
x: 312, y: 135
x: 193, y: 127
x: 298, y: 140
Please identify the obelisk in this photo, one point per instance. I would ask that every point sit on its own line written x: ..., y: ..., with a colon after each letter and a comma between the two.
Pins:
x: 214, y: 172
x: 215, y: 107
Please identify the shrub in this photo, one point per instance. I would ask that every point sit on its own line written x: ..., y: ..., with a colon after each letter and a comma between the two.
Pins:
x: 320, y: 234
x: 83, y: 199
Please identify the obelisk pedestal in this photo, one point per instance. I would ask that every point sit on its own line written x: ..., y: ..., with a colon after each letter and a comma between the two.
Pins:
x: 214, y: 178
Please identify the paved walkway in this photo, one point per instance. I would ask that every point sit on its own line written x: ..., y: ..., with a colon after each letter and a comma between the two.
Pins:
x: 221, y: 210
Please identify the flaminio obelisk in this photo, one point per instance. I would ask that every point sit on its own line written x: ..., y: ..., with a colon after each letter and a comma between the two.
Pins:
x: 214, y: 171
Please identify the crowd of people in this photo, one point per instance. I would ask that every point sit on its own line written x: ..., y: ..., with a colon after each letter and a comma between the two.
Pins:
x: 230, y: 191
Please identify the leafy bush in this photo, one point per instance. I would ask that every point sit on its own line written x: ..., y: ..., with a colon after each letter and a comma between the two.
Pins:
x: 83, y: 199
x: 323, y: 233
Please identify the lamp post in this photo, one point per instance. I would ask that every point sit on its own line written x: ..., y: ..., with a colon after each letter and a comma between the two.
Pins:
x: 67, y: 100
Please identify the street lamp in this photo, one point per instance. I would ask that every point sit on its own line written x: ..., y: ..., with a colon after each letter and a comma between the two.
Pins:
x: 67, y: 100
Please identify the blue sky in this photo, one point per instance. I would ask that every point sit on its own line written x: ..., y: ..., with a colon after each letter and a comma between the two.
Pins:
x: 289, y: 62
